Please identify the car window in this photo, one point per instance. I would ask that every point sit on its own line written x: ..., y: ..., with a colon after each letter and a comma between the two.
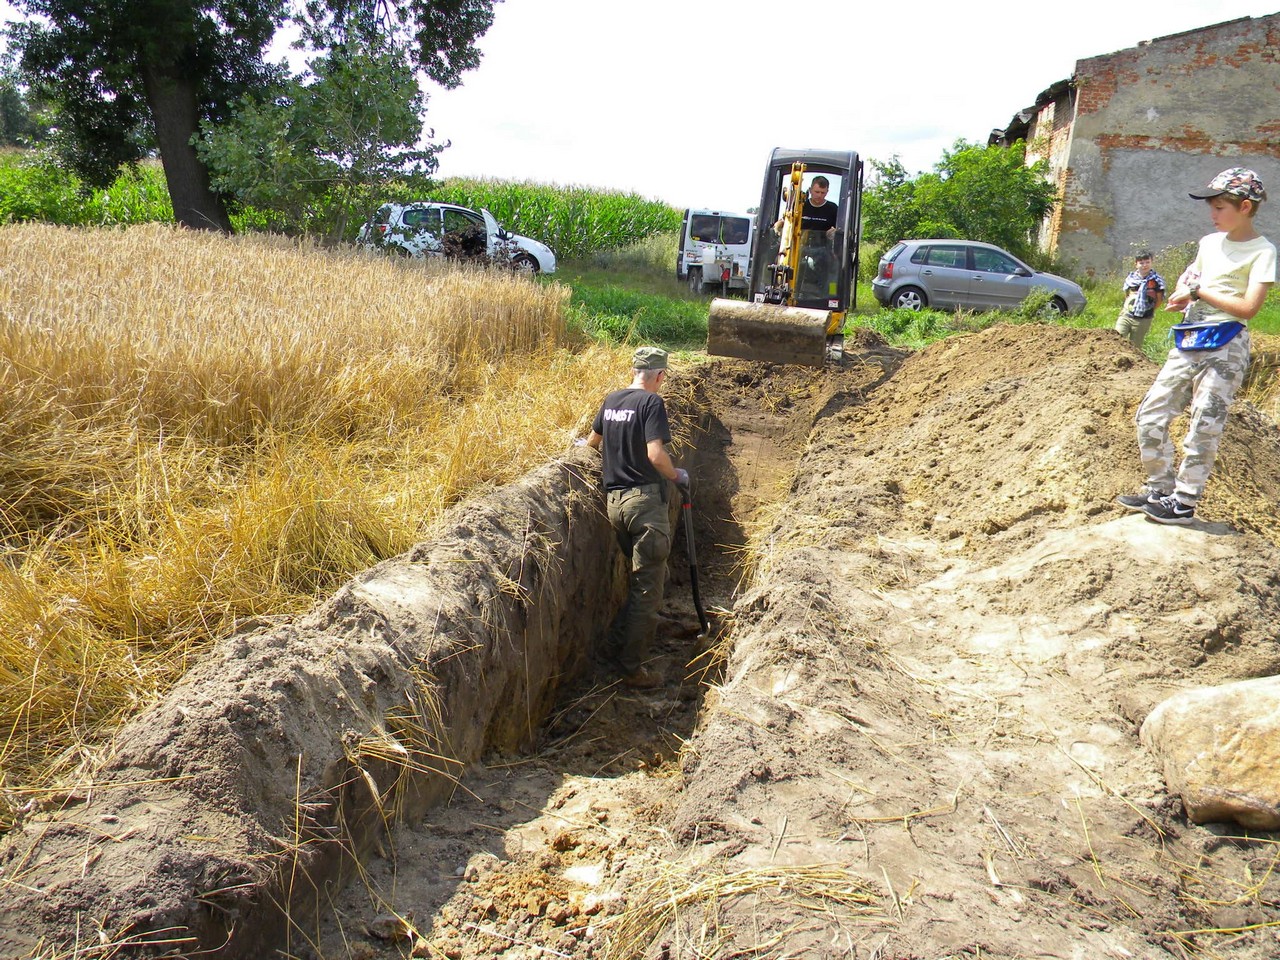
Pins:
x: 460, y: 220
x: 710, y: 228
x: 993, y: 261
x: 941, y: 255
x: 424, y: 219
x: 893, y: 253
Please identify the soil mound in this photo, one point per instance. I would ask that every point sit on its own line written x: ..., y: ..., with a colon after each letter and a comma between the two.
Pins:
x: 937, y: 678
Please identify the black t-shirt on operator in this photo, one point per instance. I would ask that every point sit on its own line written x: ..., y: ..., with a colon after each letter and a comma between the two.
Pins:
x: 628, y: 420
x: 819, y: 218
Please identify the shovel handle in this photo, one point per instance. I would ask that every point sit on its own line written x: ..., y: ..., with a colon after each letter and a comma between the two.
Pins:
x: 686, y: 508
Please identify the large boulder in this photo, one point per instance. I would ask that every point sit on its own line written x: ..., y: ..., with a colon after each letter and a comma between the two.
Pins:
x: 1220, y: 749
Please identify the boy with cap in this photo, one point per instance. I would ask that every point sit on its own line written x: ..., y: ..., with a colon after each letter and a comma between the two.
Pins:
x: 631, y: 432
x: 1143, y: 290
x: 1222, y: 290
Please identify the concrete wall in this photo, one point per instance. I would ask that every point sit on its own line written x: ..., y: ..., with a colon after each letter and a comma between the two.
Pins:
x: 1158, y: 119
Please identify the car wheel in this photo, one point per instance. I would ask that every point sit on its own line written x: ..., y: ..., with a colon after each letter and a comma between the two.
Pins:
x: 695, y: 281
x: 1056, y: 307
x: 909, y: 298
x: 523, y: 263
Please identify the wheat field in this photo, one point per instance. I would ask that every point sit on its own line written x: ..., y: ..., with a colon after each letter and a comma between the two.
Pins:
x: 197, y: 430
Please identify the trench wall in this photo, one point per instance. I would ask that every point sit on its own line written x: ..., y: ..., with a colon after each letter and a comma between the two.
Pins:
x: 280, y: 760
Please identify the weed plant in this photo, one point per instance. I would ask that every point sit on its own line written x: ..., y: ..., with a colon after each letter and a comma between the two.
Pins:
x: 199, y: 430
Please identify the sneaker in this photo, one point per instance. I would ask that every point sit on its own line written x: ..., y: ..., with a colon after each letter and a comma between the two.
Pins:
x: 1138, y: 502
x: 1170, y: 510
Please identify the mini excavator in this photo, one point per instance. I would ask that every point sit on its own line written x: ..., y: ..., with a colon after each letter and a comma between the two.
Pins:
x: 802, y: 280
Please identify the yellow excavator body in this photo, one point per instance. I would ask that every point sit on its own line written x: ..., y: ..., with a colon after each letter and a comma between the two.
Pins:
x: 802, y: 280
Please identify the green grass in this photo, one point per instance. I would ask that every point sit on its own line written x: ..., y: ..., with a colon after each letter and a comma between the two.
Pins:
x: 631, y: 295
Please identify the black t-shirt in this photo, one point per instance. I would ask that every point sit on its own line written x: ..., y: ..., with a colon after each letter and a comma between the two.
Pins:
x: 628, y: 420
x: 819, y: 218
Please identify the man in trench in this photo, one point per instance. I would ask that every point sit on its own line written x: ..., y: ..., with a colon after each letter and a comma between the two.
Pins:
x: 631, y: 432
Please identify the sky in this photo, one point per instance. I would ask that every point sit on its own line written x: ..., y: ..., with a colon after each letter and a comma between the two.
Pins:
x: 684, y: 101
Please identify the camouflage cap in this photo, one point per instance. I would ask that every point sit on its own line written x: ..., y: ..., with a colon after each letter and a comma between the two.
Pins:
x: 649, y: 358
x: 1237, y: 181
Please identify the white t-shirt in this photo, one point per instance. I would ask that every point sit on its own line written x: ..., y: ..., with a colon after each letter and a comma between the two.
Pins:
x: 1230, y: 267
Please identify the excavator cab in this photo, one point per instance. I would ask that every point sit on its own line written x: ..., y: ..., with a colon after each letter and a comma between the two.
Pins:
x: 804, y: 263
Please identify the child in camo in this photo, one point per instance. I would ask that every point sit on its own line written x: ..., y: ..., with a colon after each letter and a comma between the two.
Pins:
x: 1222, y: 290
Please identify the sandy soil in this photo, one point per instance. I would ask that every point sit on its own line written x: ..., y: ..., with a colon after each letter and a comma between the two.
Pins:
x: 912, y: 732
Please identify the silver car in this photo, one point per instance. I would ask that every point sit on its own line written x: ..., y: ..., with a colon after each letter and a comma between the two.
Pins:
x: 964, y: 275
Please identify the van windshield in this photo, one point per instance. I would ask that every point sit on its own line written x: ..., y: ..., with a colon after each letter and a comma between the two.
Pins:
x: 713, y: 228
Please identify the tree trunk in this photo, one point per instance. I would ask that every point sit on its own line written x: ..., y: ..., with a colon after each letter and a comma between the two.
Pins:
x: 174, y: 111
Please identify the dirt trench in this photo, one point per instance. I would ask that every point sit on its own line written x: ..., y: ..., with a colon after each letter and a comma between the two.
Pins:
x: 918, y: 742
x: 232, y: 815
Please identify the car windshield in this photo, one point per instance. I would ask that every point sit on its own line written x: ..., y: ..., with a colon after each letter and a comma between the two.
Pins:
x: 714, y: 228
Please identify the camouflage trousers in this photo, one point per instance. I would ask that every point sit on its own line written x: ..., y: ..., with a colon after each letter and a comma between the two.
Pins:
x: 642, y: 523
x: 1207, y: 380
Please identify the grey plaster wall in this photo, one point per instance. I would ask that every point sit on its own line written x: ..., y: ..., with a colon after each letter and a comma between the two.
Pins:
x: 1158, y: 119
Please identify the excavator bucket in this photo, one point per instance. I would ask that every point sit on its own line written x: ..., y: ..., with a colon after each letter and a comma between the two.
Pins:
x: 764, y: 331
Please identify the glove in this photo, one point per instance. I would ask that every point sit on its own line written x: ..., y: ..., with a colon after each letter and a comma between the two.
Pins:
x: 682, y: 477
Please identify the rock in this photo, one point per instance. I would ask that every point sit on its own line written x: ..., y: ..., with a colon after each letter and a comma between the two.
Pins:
x: 1220, y: 751
x: 388, y: 927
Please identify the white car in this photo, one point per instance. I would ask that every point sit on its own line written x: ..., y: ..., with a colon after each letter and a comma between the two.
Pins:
x: 445, y: 229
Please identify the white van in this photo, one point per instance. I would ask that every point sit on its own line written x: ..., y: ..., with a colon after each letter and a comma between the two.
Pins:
x: 715, y: 250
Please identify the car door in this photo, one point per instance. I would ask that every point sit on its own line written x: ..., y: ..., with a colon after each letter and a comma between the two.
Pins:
x: 465, y: 233
x: 999, y: 282
x: 943, y: 271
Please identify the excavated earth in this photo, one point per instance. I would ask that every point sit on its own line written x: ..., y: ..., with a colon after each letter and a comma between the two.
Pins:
x: 911, y: 732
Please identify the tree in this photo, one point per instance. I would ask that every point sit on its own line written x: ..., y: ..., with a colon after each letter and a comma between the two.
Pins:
x: 20, y: 124
x: 317, y: 151
x: 129, y: 74
x: 975, y: 192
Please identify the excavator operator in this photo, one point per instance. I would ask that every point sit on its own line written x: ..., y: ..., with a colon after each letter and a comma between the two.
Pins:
x: 817, y: 241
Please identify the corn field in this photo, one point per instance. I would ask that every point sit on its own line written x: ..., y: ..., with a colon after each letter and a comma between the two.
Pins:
x: 198, y: 430
x: 575, y: 222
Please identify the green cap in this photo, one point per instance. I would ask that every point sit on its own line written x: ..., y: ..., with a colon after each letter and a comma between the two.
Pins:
x: 649, y: 358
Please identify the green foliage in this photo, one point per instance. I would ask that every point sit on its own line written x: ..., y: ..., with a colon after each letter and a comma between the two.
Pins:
x: 974, y: 193
x: 34, y: 187
x: 119, y: 72
x: 573, y: 221
x: 312, y: 156
x: 20, y: 124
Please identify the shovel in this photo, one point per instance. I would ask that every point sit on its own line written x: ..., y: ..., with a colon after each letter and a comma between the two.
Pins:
x: 686, y: 508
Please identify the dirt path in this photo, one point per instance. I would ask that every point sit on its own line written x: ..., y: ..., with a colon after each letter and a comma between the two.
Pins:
x: 923, y: 741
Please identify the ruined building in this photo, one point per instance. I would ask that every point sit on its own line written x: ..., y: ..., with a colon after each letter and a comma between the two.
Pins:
x: 1130, y: 132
